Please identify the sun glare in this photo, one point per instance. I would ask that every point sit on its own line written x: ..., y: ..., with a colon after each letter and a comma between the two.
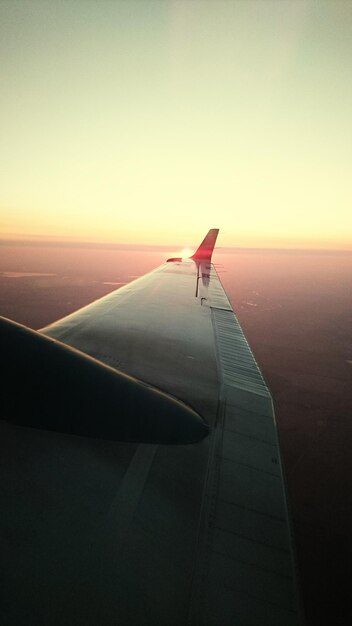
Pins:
x: 186, y: 253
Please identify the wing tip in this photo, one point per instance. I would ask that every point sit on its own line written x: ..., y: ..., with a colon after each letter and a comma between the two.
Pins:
x: 205, y: 250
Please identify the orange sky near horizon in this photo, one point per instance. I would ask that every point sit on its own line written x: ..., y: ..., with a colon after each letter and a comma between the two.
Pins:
x: 151, y: 122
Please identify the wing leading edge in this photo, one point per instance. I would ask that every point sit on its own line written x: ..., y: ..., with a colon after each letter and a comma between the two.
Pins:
x: 165, y: 534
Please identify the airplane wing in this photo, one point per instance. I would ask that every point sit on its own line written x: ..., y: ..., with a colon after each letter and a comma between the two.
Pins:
x: 151, y: 489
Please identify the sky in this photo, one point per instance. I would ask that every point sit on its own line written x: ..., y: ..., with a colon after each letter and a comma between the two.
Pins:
x: 151, y: 121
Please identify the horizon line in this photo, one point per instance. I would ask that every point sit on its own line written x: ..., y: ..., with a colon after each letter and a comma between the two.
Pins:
x: 68, y: 243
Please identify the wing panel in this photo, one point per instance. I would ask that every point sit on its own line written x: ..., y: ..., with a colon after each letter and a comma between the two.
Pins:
x: 155, y: 330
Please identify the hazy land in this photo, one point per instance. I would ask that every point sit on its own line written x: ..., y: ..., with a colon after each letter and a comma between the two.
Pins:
x: 296, y: 311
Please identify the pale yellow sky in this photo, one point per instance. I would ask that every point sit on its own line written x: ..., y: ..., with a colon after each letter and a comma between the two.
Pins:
x: 152, y: 121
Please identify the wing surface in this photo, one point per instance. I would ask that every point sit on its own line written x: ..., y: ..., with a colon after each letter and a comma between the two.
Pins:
x: 108, y: 532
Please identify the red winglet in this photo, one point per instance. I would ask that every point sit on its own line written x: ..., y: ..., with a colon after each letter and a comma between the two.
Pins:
x: 206, y: 248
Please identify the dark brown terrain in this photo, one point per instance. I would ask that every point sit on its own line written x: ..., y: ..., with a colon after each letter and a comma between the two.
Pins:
x: 296, y: 311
